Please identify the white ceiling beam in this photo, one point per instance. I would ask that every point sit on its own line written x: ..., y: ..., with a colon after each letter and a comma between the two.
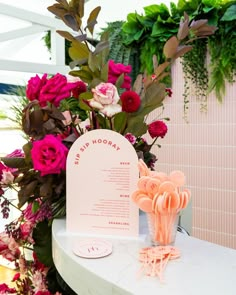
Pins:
x: 22, y: 66
x: 20, y: 33
x: 29, y: 16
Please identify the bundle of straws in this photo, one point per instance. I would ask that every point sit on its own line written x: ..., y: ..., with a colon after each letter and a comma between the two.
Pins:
x: 162, y: 197
x: 154, y: 260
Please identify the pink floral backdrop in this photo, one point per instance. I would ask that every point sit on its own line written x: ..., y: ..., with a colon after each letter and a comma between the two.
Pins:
x: 205, y: 150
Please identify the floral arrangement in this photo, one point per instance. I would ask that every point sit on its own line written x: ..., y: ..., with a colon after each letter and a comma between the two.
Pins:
x: 99, y: 93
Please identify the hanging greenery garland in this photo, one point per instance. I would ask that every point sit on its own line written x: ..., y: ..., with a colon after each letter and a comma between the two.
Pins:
x: 196, y: 73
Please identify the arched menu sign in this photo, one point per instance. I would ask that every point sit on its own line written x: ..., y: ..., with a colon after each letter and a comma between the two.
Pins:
x: 102, y: 172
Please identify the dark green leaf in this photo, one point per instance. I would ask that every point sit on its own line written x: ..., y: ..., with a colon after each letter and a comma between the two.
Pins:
x: 120, y: 120
x: 42, y: 247
x: 14, y: 162
x: 35, y: 206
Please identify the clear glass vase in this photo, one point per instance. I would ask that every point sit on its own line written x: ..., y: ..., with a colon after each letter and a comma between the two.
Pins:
x: 162, y: 228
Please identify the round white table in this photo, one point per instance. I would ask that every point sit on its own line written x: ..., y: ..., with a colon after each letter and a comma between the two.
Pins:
x: 203, y: 268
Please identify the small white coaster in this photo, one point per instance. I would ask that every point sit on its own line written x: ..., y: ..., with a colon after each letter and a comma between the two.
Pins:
x: 92, y: 248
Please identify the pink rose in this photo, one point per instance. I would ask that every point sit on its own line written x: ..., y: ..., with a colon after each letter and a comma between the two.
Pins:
x: 115, y: 70
x: 105, y: 98
x: 56, y: 89
x: 49, y: 155
x: 34, y: 87
x: 157, y: 129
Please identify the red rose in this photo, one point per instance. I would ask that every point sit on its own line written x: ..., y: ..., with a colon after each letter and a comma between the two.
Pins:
x: 80, y: 88
x: 157, y: 129
x: 130, y: 101
x: 115, y: 70
x: 49, y: 155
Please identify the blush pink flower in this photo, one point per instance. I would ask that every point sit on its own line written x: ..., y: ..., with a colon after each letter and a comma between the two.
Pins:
x: 105, y: 99
x: 38, y: 281
x: 117, y: 69
x: 49, y: 155
x: 7, y: 177
x: 157, y: 129
x: 130, y: 101
x: 9, y: 249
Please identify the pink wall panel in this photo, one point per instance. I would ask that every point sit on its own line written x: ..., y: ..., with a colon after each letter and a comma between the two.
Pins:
x: 205, y: 150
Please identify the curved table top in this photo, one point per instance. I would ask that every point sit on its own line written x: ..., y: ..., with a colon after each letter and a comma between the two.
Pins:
x: 203, y: 268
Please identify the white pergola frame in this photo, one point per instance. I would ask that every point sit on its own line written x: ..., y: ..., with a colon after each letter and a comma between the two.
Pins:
x: 37, y: 23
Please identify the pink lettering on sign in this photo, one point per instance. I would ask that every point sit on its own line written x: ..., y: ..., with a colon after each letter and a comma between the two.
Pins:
x: 124, y: 163
x: 107, y: 142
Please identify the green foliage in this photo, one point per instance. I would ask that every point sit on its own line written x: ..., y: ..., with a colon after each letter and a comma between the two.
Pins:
x: 43, y: 237
x: 195, y: 71
x: 150, y: 31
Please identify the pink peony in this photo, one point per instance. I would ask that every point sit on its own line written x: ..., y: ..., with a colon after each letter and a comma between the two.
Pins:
x: 49, y: 155
x: 34, y: 87
x: 157, y: 129
x: 56, y: 89
x: 130, y: 101
x: 115, y: 70
x: 105, y: 98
